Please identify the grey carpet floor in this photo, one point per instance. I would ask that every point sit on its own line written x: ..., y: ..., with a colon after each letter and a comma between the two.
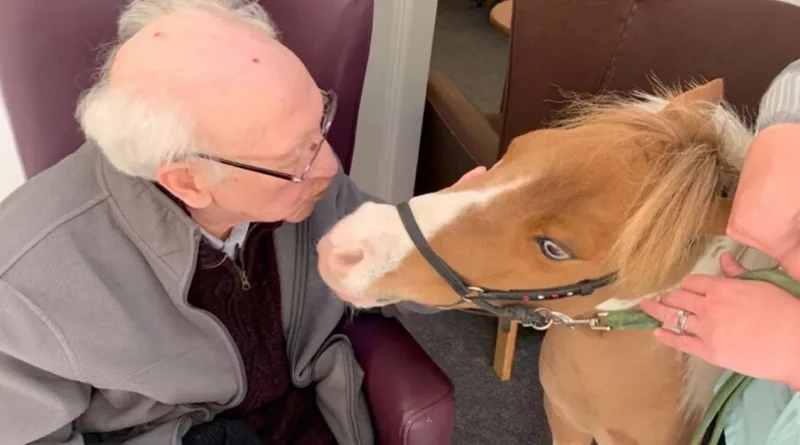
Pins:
x: 488, y: 411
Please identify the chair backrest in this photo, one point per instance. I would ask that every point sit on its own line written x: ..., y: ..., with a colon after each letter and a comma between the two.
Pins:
x: 589, y: 46
x: 48, y: 54
x: 332, y: 38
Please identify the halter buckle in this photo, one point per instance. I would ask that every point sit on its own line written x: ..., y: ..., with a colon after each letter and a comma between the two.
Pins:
x: 474, y: 292
x: 548, y: 316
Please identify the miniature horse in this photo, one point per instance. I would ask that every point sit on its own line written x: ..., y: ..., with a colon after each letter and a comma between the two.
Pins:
x: 616, y: 203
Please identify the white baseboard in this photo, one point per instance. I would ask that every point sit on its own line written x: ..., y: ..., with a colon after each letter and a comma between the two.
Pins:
x: 390, y: 118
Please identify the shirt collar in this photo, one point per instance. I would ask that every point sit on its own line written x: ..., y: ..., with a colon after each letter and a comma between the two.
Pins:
x: 234, y: 242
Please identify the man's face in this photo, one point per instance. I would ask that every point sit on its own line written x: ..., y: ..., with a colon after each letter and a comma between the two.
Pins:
x: 293, y: 144
x: 251, y: 101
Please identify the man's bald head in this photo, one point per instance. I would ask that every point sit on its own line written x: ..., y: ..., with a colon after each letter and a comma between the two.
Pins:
x: 190, y: 76
x: 208, y: 77
x: 232, y: 80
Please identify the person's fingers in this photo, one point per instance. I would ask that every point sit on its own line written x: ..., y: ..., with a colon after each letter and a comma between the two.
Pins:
x: 730, y: 267
x: 477, y: 171
x: 686, y: 343
x: 669, y: 315
x: 701, y: 283
x: 683, y: 299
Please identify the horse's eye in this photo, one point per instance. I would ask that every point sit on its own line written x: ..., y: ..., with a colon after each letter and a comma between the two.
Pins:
x: 553, y: 250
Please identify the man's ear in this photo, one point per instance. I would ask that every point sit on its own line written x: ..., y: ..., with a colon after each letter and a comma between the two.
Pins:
x: 183, y: 181
x: 717, y: 224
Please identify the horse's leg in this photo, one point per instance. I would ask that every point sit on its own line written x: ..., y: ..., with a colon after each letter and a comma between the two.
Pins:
x: 563, y: 432
x: 648, y: 429
x: 618, y: 438
x: 633, y: 438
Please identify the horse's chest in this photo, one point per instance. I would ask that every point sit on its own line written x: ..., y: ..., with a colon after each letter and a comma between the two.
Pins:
x: 592, y: 378
x: 563, y: 380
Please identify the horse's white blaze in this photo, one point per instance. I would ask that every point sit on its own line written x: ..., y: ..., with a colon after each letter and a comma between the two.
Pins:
x: 377, y: 228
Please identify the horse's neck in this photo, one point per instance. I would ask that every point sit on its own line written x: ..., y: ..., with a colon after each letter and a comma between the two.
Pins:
x: 700, y: 376
x: 708, y: 264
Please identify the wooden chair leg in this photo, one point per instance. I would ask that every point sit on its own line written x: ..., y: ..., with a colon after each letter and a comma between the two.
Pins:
x: 504, y: 348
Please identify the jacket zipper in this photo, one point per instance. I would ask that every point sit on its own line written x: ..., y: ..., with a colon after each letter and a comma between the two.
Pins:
x: 241, y: 270
x: 238, y: 264
x: 238, y: 362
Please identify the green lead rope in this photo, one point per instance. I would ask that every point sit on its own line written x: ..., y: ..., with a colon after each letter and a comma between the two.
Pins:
x: 732, y: 389
x: 630, y: 319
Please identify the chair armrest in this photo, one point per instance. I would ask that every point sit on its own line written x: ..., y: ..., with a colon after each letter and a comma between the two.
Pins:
x: 456, y: 136
x: 410, y: 397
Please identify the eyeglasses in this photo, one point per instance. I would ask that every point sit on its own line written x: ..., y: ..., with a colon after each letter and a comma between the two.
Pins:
x: 307, y: 153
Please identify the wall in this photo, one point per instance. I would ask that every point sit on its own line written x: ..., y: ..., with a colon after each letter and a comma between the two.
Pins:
x: 11, y: 172
x: 390, y: 119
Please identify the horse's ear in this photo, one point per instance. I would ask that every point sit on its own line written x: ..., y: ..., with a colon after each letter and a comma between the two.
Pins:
x: 712, y: 93
x: 718, y: 222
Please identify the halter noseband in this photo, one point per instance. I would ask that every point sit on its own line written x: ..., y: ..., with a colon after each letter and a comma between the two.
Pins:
x: 481, y: 296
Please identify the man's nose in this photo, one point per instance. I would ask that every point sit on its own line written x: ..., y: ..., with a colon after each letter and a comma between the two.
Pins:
x: 326, y: 164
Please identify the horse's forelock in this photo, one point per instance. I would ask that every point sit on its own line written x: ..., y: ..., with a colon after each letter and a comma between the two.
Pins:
x: 693, y: 154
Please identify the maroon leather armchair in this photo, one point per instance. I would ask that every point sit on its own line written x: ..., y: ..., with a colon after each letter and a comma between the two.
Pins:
x: 48, y: 55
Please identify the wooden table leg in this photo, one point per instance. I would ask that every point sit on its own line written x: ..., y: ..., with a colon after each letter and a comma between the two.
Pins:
x: 504, y: 348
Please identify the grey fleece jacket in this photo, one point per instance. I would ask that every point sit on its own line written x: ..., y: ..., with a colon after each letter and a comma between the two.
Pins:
x: 781, y: 102
x: 97, y: 340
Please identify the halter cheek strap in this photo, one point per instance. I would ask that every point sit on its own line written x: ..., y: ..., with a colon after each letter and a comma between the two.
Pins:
x: 537, y: 318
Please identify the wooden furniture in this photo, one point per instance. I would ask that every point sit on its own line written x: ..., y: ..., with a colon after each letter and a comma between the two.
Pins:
x: 500, y: 16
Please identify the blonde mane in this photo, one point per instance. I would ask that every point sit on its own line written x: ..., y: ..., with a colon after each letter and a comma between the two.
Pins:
x: 694, y: 152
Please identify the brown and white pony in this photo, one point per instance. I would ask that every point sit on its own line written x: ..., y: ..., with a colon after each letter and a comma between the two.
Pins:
x: 632, y: 186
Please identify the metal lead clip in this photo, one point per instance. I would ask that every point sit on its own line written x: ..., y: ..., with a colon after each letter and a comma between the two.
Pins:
x: 552, y: 318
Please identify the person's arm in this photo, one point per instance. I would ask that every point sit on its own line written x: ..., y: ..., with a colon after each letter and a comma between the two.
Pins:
x: 37, y: 406
x: 349, y: 196
x: 781, y: 103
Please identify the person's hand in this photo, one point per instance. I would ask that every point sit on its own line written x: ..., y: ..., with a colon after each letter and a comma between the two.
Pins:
x: 750, y: 327
x: 766, y: 209
x: 475, y: 172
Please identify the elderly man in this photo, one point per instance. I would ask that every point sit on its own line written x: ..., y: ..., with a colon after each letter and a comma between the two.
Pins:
x: 159, y: 285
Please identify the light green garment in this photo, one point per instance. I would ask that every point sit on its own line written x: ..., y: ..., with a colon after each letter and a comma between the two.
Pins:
x: 768, y: 413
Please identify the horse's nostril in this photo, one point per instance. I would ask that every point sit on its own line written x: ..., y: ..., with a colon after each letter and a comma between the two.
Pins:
x: 348, y: 257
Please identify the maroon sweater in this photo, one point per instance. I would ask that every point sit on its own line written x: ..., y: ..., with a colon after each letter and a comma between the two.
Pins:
x: 279, y: 412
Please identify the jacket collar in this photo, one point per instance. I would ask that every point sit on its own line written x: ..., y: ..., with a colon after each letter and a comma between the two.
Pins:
x: 163, y: 232
x: 159, y: 224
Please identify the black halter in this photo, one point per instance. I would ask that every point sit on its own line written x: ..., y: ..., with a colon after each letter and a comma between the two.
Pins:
x: 481, y: 296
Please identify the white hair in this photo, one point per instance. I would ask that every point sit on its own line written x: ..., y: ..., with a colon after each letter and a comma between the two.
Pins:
x: 136, y: 135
